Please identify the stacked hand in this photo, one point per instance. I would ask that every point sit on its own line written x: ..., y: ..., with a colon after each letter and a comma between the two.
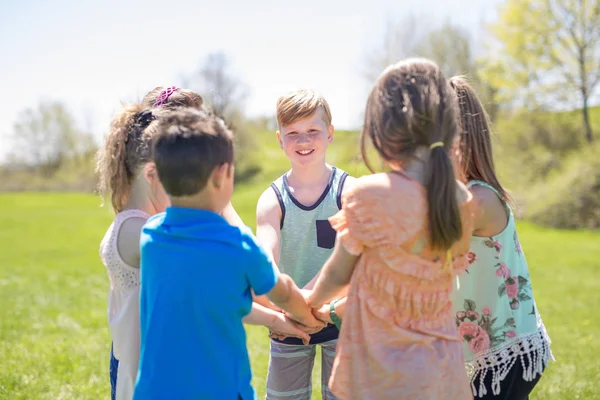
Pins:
x: 321, y: 313
x: 300, y: 326
x: 284, y: 327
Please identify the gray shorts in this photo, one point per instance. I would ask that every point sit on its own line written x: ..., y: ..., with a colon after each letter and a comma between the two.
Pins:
x: 290, y: 370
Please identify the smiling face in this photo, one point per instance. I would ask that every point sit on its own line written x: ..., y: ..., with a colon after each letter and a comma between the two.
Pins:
x: 305, y: 141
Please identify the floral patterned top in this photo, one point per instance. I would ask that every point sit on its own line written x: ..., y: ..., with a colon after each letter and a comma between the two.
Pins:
x: 495, y: 310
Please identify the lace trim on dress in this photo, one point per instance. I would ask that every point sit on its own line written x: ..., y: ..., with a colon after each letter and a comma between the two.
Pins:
x: 122, y: 275
x: 535, y: 347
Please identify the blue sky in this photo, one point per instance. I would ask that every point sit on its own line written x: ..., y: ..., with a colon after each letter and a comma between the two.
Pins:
x: 92, y: 55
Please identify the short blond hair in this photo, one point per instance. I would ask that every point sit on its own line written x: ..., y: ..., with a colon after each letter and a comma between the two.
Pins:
x: 300, y: 104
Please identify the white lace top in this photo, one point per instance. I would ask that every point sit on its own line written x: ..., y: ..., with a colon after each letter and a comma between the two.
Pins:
x: 123, y: 305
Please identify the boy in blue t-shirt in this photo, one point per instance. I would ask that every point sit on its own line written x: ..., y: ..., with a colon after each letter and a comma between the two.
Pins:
x: 198, y: 272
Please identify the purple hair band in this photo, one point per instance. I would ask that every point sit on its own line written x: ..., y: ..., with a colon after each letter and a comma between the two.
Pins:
x: 165, y: 94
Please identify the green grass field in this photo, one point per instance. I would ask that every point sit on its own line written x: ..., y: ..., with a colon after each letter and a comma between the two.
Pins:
x: 54, y: 340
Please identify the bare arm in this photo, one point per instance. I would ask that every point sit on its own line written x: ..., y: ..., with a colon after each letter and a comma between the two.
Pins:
x: 128, y: 240
x: 268, y: 223
x: 490, y: 213
x: 268, y: 217
x: 232, y: 216
x: 277, y: 322
x: 324, y: 313
x: 334, y: 278
x: 286, y: 295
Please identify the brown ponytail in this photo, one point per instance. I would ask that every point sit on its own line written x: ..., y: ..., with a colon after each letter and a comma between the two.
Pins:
x: 444, y: 212
x: 128, y: 143
x: 113, y: 167
x: 477, y: 161
x: 412, y: 106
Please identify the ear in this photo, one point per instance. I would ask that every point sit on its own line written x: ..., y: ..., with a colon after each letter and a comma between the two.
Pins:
x: 330, y: 133
x: 279, y: 139
x: 220, y: 174
x: 150, y: 173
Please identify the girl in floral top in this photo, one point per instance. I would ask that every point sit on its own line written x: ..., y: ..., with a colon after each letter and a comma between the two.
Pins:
x: 506, y: 345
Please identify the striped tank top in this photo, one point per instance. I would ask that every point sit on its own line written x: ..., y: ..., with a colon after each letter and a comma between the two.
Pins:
x: 307, y: 239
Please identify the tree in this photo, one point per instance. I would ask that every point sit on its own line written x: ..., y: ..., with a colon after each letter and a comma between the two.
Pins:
x: 217, y: 83
x: 549, y: 48
x: 225, y: 93
x: 400, y: 39
x: 449, y: 46
x: 45, y: 137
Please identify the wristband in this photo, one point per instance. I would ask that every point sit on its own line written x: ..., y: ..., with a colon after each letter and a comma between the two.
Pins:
x: 334, y: 317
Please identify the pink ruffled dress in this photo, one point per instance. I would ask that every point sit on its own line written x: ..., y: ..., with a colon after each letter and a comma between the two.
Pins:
x: 398, y: 338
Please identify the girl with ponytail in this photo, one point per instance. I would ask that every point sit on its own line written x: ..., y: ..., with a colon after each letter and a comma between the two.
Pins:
x: 128, y: 179
x: 403, y: 236
x: 509, y: 349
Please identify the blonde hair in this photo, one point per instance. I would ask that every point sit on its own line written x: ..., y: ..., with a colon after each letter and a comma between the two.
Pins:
x: 128, y: 144
x: 299, y: 104
x: 477, y: 161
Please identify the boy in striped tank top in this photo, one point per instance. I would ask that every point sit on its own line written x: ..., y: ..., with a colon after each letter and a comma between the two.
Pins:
x: 292, y: 223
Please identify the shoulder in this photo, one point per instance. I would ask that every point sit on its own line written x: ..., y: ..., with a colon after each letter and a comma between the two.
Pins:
x: 268, y: 204
x: 489, y: 211
x: 128, y: 239
x: 486, y: 199
x: 250, y: 245
x: 156, y: 219
x: 377, y: 185
x: 149, y: 229
x: 365, y: 185
x: 462, y: 193
x: 153, y: 223
x: 365, y: 191
x: 348, y: 183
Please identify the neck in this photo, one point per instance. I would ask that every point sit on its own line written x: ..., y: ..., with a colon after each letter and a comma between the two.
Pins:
x: 198, y: 201
x: 309, y: 174
x: 415, y: 166
x: 140, y: 201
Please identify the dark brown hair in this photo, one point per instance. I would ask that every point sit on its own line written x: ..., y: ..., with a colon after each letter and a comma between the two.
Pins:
x: 476, y: 156
x: 412, y: 106
x: 128, y: 143
x: 187, y: 147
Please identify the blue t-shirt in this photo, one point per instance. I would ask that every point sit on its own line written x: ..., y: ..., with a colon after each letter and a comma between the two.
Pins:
x: 197, y: 272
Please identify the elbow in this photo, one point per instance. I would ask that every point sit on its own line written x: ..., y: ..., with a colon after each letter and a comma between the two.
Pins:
x: 288, y: 284
x: 338, y: 278
x: 283, y: 295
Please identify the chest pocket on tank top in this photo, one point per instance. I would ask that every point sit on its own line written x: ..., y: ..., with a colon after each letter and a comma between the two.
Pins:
x: 325, y: 234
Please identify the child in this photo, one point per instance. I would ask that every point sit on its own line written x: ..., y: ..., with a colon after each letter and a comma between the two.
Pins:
x: 292, y: 225
x: 198, y: 271
x: 128, y: 178
x: 402, y: 237
x: 505, y: 343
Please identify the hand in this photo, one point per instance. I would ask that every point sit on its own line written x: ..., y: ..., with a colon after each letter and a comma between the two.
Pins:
x: 273, y: 335
x: 273, y: 307
x: 307, y: 321
x: 283, y: 327
x: 307, y: 297
x: 309, y: 329
x: 323, y: 314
